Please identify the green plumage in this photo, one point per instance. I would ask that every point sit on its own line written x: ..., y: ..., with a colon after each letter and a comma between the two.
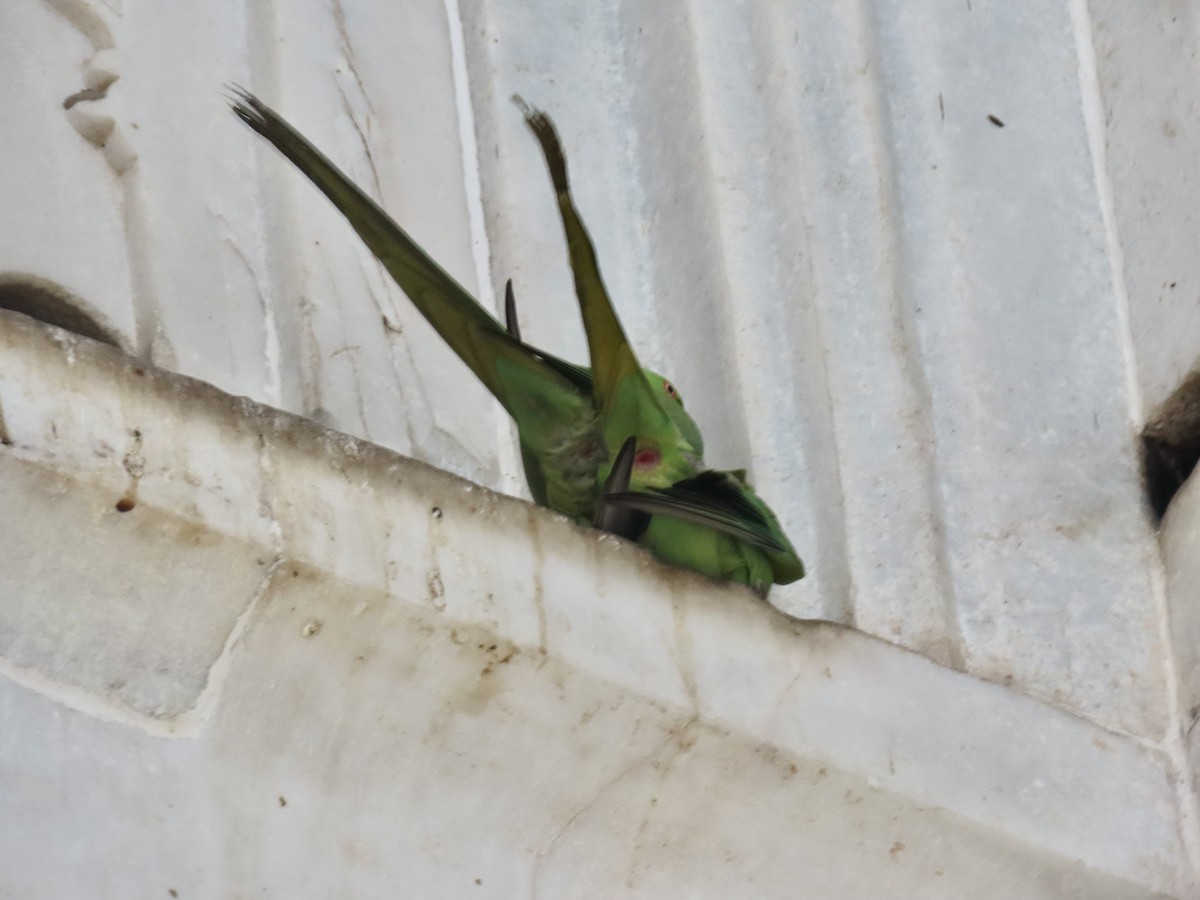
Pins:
x: 573, y: 422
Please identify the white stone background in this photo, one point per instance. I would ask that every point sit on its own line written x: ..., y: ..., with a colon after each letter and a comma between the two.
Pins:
x: 932, y: 340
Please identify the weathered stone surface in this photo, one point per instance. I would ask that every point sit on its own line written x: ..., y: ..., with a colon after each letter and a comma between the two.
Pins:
x: 452, y: 684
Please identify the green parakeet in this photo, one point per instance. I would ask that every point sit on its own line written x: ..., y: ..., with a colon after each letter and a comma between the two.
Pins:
x: 702, y: 519
x: 572, y: 421
x: 550, y: 400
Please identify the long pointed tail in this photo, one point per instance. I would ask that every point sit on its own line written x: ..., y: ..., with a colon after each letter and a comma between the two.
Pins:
x: 612, y: 356
x: 448, y: 307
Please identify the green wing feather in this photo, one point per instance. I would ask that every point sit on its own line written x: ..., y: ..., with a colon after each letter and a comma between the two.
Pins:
x: 446, y: 304
x: 626, y: 401
x: 612, y: 357
x: 724, y: 503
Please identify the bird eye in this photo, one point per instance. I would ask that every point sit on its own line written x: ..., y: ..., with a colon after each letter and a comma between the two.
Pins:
x: 670, y: 389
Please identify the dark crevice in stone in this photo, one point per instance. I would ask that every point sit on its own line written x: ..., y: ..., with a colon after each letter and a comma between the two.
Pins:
x: 1171, y: 444
x: 47, y: 302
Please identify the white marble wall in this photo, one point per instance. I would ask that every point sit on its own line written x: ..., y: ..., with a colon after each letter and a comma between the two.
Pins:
x: 932, y: 339
x: 297, y: 664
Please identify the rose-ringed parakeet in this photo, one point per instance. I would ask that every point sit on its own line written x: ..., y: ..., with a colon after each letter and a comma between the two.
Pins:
x: 573, y: 421
x: 702, y: 519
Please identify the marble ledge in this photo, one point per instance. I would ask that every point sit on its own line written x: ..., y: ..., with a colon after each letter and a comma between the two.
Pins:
x: 187, y: 510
